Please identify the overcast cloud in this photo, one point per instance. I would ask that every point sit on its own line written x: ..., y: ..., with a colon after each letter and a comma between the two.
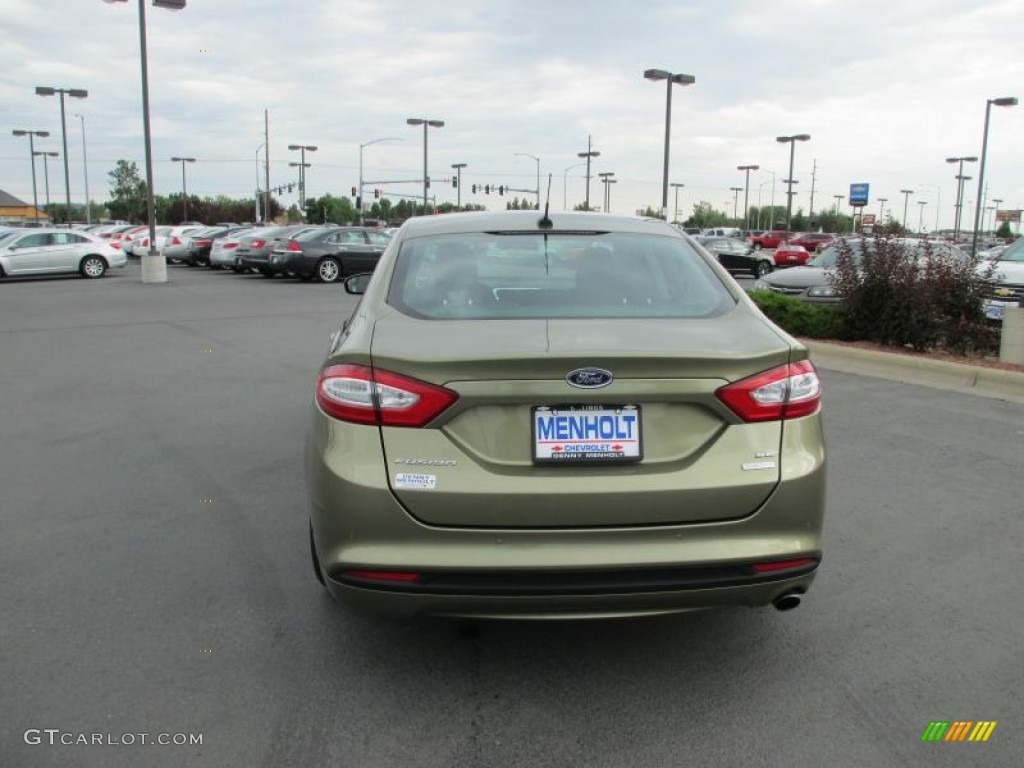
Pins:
x: 886, y: 90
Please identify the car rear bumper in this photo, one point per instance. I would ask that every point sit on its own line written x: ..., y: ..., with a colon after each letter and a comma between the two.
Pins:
x: 359, y: 525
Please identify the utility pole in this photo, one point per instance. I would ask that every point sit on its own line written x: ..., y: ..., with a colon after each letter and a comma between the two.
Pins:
x: 266, y: 138
x: 814, y: 175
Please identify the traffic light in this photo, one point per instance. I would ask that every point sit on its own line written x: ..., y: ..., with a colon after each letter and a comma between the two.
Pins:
x: 354, y: 192
x: 501, y: 190
x: 290, y: 187
x: 474, y: 189
x: 428, y: 182
x: 376, y: 193
x: 487, y: 189
x: 455, y: 181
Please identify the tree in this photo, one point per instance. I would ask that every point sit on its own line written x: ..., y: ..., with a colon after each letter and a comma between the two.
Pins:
x: 704, y: 216
x: 1004, y: 230
x: 128, y: 191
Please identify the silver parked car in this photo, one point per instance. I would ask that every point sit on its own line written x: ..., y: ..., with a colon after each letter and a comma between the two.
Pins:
x: 56, y: 251
x: 223, y: 251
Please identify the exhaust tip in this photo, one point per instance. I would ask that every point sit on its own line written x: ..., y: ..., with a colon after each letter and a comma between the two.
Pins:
x: 787, y: 602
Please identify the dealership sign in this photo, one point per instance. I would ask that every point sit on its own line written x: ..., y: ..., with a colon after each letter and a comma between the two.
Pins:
x: 858, y: 195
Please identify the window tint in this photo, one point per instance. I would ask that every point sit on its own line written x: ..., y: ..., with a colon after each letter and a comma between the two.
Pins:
x: 530, y: 275
x: 67, y: 238
x: 378, y: 238
x: 35, y: 240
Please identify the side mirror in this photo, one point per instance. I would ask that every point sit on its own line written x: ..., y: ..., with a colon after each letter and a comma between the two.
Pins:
x: 356, y: 284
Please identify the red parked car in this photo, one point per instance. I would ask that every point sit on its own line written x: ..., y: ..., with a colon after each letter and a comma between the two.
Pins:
x: 790, y: 255
x: 770, y: 238
x: 813, y: 241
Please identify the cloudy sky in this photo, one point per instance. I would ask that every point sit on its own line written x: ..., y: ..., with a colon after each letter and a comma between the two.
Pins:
x: 886, y: 90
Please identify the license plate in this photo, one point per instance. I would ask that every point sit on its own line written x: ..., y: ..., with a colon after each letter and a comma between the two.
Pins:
x: 582, y: 433
x: 994, y: 310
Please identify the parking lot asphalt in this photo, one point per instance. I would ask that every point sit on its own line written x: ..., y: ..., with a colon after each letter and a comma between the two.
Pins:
x: 154, y: 574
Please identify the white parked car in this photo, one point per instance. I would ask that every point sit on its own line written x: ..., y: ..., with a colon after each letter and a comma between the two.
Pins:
x: 57, y: 251
x: 1009, y: 277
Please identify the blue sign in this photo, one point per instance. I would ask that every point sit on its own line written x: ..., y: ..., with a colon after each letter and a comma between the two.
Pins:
x: 858, y: 194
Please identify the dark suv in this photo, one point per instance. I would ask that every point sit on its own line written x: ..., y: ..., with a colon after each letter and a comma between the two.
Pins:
x: 329, y: 255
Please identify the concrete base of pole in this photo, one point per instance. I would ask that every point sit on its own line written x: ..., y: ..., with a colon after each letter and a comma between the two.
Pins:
x: 154, y: 268
x: 1011, y: 344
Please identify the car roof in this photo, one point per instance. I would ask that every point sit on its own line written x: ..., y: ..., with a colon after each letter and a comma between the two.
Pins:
x: 527, y: 221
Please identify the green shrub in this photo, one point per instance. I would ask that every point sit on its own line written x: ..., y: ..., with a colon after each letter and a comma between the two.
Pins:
x: 798, y: 317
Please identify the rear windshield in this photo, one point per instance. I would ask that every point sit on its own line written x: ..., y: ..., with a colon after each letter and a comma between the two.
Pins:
x: 533, y: 275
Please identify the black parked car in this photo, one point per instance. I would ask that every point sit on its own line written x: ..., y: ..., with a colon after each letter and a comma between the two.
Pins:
x: 201, y: 242
x: 254, y: 250
x: 330, y: 255
x: 738, y: 255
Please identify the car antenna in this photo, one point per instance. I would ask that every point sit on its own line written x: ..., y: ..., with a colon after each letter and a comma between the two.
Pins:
x: 546, y: 222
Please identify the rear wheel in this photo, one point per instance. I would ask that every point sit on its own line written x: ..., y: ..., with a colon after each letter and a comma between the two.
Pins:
x: 92, y: 266
x: 328, y: 270
x: 762, y: 268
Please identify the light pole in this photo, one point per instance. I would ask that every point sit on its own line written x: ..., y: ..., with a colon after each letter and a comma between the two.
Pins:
x: 995, y: 202
x: 32, y: 157
x: 265, y: 215
x: 735, y: 202
x: 426, y: 174
x: 359, y: 197
x: 675, y: 208
x: 590, y: 153
x: 85, y: 171
x: 839, y: 200
x: 746, y: 193
x: 906, y: 200
x: 537, y: 159
x: 938, y: 200
x: 959, y: 190
x: 920, y: 216
x: 606, y: 179
x: 1006, y: 101
x: 565, y: 185
x: 670, y: 79
x: 881, y: 209
x: 46, y: 173
x: 458, y: 184
x: 184, y: 193
x: 302, y: 165
x: 75, y: 93
x: 791, y: 140
x: 154, y: 267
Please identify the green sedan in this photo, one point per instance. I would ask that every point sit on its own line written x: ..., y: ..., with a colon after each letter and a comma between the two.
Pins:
x: 573, y: 416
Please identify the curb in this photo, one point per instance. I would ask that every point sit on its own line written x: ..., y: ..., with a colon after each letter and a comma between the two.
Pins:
x: 975, y: 380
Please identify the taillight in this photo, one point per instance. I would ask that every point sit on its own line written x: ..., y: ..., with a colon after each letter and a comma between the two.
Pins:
x: 401, y: 576
x: 786, y: 392
x: 201, y: 243
x: 363, y: 395
x: 228, y: 246
x: 257, y: 243
x: 293, y: 246
x: 114, y: 244
x: 145, y: 241
x: 175, y: 240
x: 783, y: 565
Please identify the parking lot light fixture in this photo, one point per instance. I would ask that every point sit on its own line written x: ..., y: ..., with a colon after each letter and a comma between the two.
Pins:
x: 1005, y: 101
x: 839, y: 200
x: 791, y: 140
x: 302, y: 166
x: 881, y: 209
x: 746, y: 193
x: 46, y: 174
x: 359, y: 196
x: 75, y: 93
x: 670, y: 79
x: 606, y: 179
x: 426, y: 123
x: 959, y: 190
x: 675, y: 206
x: 906, y: 200
x: 537, y: 160
x: 588, y: 156
x: 735, y: 202
x: 920, y: 216
x: 565, y: 185
x: 85, y: 171
x: 184, y: 192
x: 32, y: 157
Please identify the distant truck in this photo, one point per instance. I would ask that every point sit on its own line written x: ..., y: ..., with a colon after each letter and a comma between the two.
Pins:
x: 770, y: 238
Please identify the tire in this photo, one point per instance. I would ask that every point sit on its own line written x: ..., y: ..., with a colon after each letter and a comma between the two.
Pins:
x: 762, y: 269
x: 213, y: 266
x: 92, y: 267
x: 328, y: 270
x: 316, y: 560
x: 238, y: 269
x: 266, y: 272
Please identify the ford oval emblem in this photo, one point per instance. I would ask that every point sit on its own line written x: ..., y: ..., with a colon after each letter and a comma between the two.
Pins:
x: 589, y: 378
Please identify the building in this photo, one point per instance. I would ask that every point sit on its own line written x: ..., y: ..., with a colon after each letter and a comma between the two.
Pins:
x: 15, y: 211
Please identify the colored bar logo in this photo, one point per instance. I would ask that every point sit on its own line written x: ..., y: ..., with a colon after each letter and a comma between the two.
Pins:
x: 958, y: 730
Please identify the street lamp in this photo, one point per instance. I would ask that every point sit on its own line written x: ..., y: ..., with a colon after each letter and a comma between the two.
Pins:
x: 565, y: 185
x: 675, y: 208
x: 906, y: 199
x: 537, y: 159
x: 606, y: 179
x: 32, y: 157
x: 881, y: 209
x: 735, y: 201
x: 359, y: 197
x: 1006, y: 101
x: 426, y: 174
x: 85, y: 171
x: 746, y: 193
x: 959, y: 190
x: 184, y: 193
x: 75, y: 93
x: 46, y: 174
x: 154, y: 267
x: 458, y: 184
x: 791, y: 140
x: 920, y: 216
x: 670, y: 79
x: 839, y: 200
x: 590, y: 153
x: 302, y: 165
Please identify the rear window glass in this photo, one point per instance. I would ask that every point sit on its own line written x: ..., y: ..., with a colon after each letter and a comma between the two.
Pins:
x: 532, y: 275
